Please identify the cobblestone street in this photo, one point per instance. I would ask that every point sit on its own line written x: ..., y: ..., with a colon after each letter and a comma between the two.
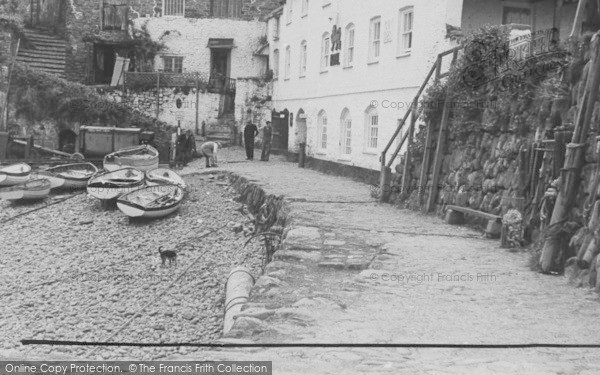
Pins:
x: 426, y: 283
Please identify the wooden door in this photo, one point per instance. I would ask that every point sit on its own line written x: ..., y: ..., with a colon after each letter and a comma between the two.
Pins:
x: 280, y: 121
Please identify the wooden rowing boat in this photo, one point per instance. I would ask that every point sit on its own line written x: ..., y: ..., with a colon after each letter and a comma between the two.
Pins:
x: 14, y: 174
x: 152, y: 201
x: 164, y: 176
x: 144, y: 158
x: 75, y: 175
x: 30, y: 190
x: 112, y: 184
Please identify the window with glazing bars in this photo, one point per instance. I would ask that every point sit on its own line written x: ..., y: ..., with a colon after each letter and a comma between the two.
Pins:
x: 174, y: 8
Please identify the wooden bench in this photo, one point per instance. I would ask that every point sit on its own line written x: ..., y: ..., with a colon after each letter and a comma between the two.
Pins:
x: 455, y: 215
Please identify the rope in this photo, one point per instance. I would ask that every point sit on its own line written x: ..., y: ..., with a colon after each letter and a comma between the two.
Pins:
x: 139, y: 311
x: 40, y: 208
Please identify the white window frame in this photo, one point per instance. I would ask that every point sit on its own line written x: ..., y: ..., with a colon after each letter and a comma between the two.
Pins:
x: 375, y: 39
x: 404, y: 32
x: 288, y: 63
x: 289, y: 11
x: 304, y: 11
x: 372, y: 125
x: 346, y: 134
x: 275, y: 64
x: 173, y: 4
x: 325, y: 52
x: 350, y: 38
x: 322, y: 123
x: 303, y: 58
x: 276, y: 28
x: 172, y: 59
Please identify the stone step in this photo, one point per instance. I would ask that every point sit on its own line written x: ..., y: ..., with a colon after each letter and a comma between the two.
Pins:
x: 47, y: 42
x: 42, y: 62
x: 42, y: 55
x: 39, y: 35
x: 47, y: 48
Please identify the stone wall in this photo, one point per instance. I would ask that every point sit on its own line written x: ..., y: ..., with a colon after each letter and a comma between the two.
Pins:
x: 82, y: 21
x: 253, y: 103
x: 205, y: 104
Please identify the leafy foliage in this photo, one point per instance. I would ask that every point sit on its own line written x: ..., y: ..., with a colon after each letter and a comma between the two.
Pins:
x: 38, y: 96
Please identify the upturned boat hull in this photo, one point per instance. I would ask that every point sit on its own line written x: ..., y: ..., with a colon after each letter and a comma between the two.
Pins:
x: 31, y: 190
x: 14, y: 174
x: 164, y: 176
x: 151, y: 202
x: 112, y: 184
x: 144, y: 158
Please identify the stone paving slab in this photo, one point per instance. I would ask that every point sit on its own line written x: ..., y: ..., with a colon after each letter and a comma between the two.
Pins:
x: 427, y: 282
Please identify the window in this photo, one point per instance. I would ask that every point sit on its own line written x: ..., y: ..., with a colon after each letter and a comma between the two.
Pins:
x: 276, y: 29
x: 521, y: 16
x: 303, y: 58
x: 115, y: 16
x: 346, y: 133
x: 304, y: 8
x: 226, y: 8
x: 172, y: 64
x: 349, y: 58
x: 405, y: 31
x: 276, y: 63
x: 372, y: 127
x: 375, y: 39
x: 174, y: 8
x: 289, y: 10
x: 288, y: 53
x: 325, y: 46
x: 322, y: 119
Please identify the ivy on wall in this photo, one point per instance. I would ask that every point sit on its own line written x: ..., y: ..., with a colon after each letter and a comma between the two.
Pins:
x: 38, y: 96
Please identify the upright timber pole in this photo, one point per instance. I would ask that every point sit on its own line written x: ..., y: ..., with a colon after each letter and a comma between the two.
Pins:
x: 439, y: 152
x: 407, y: 156
x: 574, y: 158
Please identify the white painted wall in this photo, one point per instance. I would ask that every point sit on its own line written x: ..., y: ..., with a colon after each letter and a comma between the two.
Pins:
x: 188, y: 37
x: 394, y: 79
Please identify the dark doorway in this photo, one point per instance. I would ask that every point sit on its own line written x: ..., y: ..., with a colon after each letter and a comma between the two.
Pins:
x: 219, y: 68
x: 67, y: 139
x: 45, y: 13
x: 104, y: 63
x: 280, y: 121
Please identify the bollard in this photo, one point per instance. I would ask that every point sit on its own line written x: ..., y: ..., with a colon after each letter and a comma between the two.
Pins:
x: 237, y: 290
x: 302, y: 156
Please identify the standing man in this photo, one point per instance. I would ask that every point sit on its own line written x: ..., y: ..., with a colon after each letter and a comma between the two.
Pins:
x: 250, y: 131
x: 267, y: 135
x: 209, y: 151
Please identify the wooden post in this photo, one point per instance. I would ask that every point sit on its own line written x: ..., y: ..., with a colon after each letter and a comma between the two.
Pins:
x: 407, y: 157
x: 197, y: 102
x: 439, y: 152
x: 385, y: 179
x: 578, y: 17
x: 425, y: 165
x: 12, y: 67
x: 157, y: 93
x: 574, y: 158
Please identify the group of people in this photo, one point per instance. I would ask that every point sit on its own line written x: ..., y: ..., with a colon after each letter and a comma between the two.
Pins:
x: 186, y: 146
x: 250, y: 132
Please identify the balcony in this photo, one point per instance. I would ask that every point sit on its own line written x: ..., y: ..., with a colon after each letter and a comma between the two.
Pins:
x: 220, y: 84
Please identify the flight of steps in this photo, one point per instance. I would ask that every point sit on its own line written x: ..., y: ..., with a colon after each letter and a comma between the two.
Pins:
x: 44, y: 52
x: 221, y: 131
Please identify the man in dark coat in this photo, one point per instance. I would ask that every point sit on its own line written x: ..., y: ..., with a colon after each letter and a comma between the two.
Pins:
x: 267, y: 135
x: 250, y: 131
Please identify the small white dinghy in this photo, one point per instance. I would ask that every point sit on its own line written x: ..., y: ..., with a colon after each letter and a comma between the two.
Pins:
x: 144, y: 158
x: 164, y: 176
x: 74, y: 176
x: 112, y: 184
x: 14, y: 174
x: 30, y: 190
x: 151, y: 202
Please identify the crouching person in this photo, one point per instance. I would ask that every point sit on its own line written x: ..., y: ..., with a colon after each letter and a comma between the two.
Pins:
x: 209, y: 151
